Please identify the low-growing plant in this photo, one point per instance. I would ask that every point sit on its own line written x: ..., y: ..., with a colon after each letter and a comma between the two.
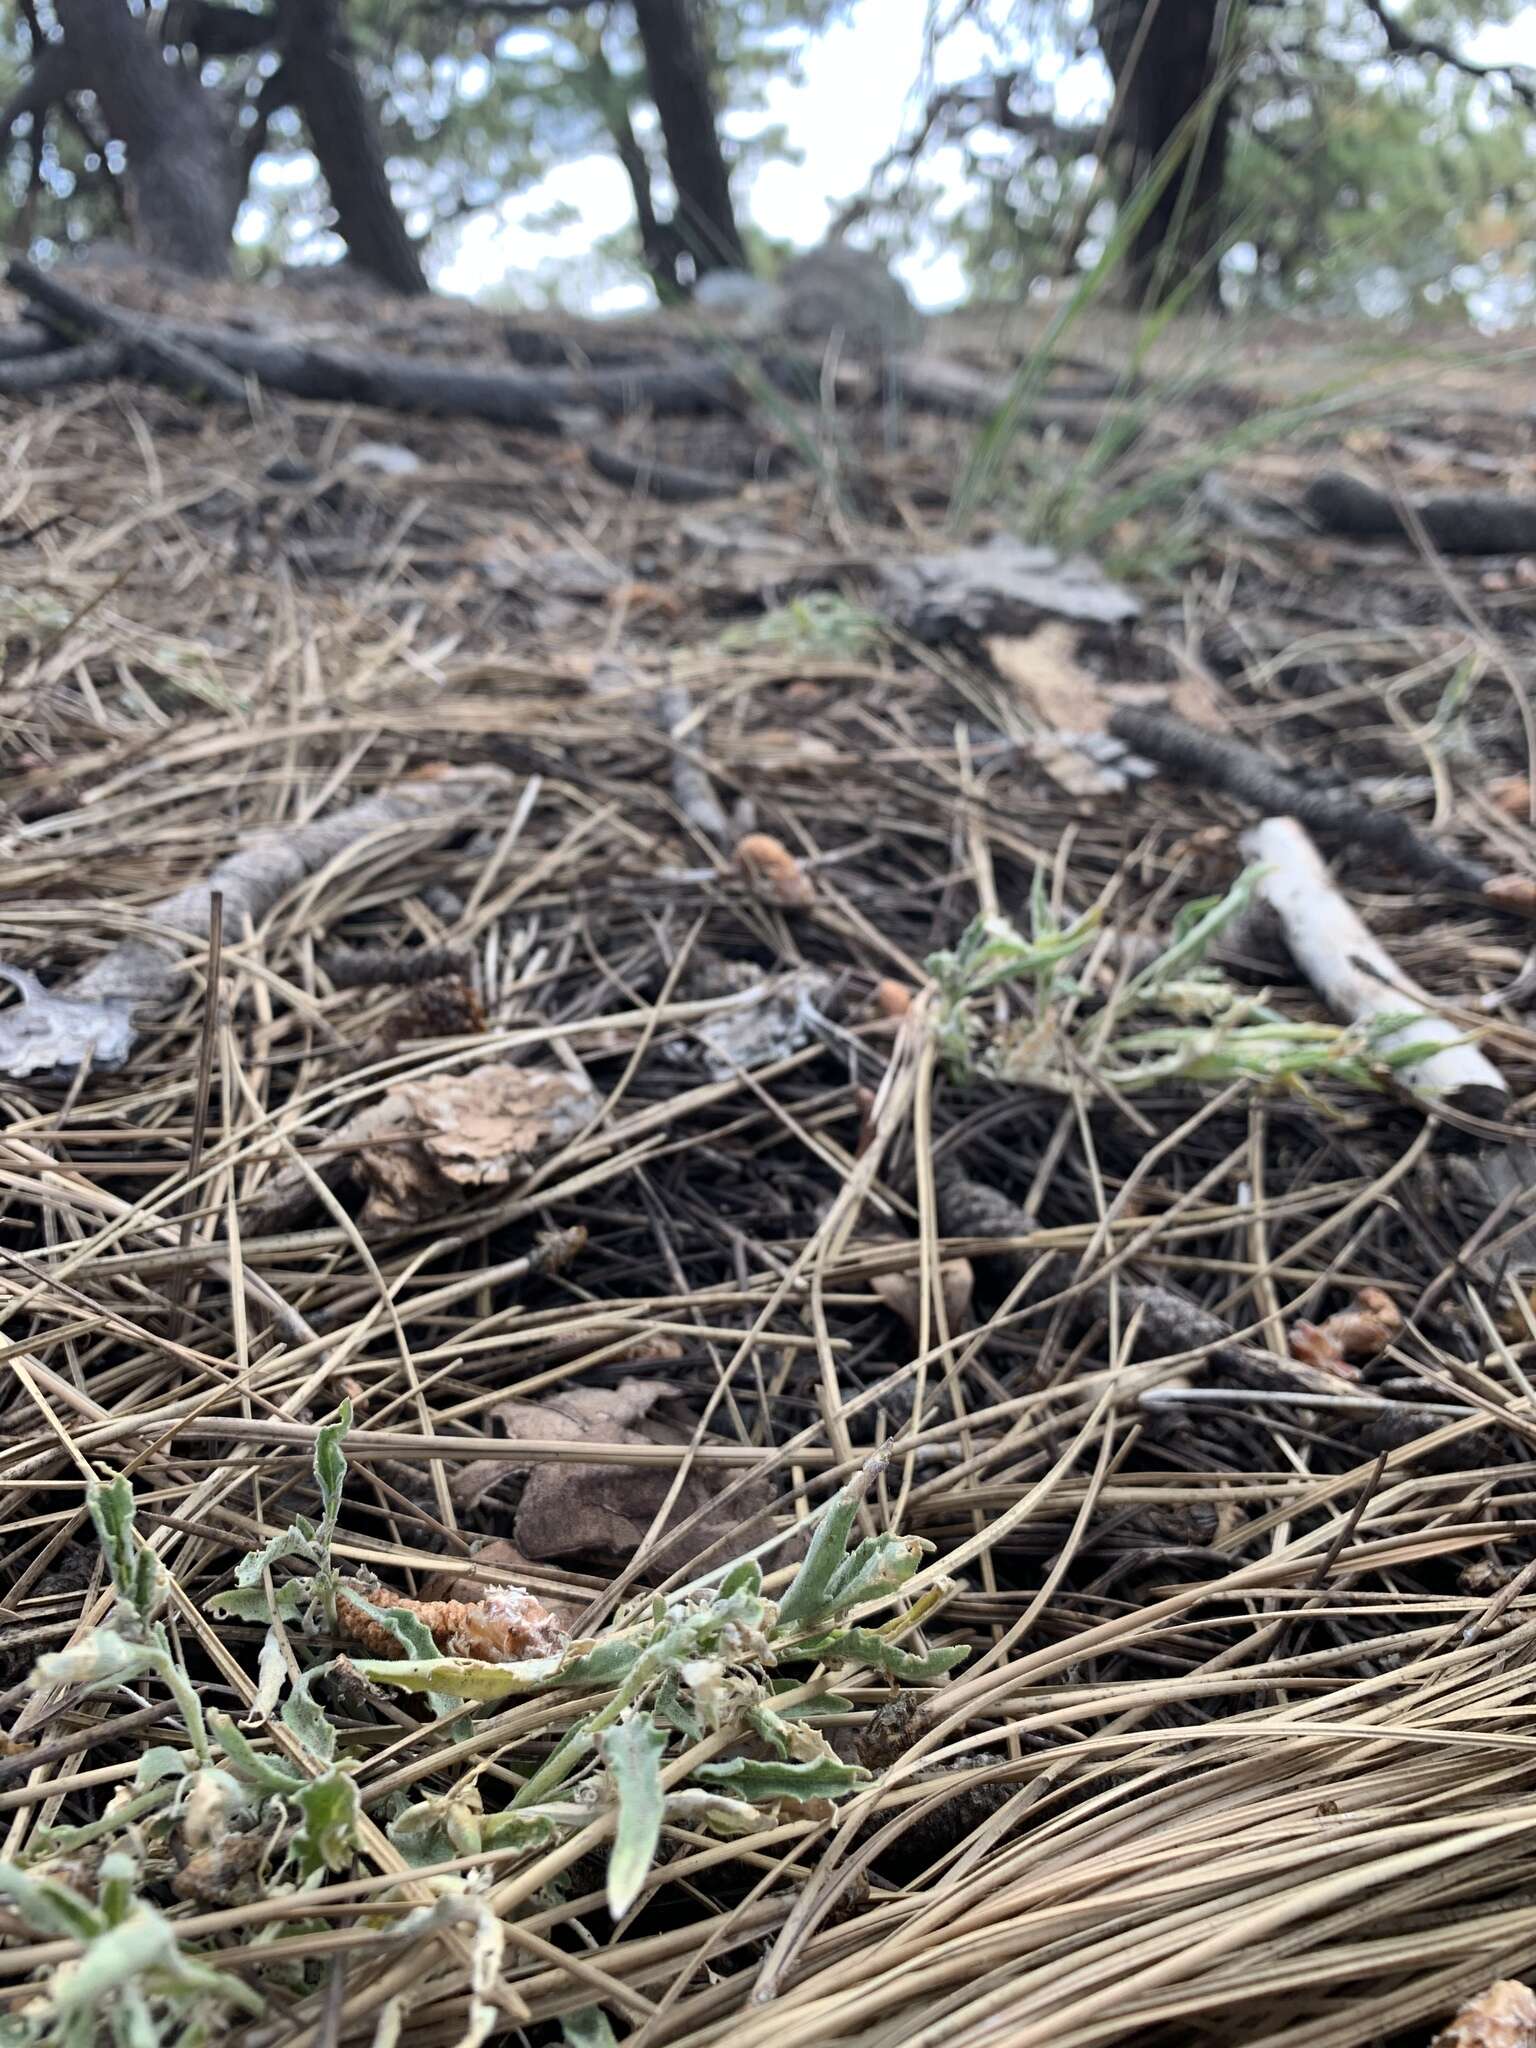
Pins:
x: 721, y: 1668
x: 1214, y: 1031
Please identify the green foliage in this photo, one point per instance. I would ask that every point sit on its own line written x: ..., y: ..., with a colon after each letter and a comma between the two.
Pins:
x: 821, y: 626
x: 1358, y: 184
x: 1219, y: 1034
x: 711, y: 1664
x: 632, y: 1750
x: 132, y: 1979
x: 707, y: 1662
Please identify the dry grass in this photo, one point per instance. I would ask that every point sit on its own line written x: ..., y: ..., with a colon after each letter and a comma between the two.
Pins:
x: 1243, y: 1750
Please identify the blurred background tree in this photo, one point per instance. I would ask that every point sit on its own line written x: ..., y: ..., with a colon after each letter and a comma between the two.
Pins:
x: 1369, y: 157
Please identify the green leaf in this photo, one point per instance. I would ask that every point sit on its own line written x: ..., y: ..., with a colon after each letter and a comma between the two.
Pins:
x: 328, y: 1838
x: 303, y: 1716
x: 745, y: 1577
x: 747, y: 1778
x: 878, y: 1566
x: 588, y: 2028
x: 331, y: 1473
x: 463, y: 1678
x: 867, y: 1646
x: 250, y: 1603
x: 134, y: 1569
x: 158, y: 1762
x: 271, y: 1676
x: 804, y: 1600
x: 49, y: 1908
x: 250, y: 1767
x: 299, y: 1539
x: 516, y: 1831
x: 632, y: 1749
x: 101, y: 1658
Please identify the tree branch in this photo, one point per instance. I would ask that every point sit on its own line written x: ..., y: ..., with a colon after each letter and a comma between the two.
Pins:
x: 1402, y: 43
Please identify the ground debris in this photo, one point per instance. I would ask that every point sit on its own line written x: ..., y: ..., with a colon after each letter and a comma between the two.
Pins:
x: 1503, y: 2016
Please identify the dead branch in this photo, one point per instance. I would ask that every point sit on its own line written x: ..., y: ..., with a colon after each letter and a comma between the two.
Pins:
x: 1459, y: 523
x: 1211, y: 762
x: 23, y: 339
x: 83, y: 364
x: 664, y: 480
x: 1357, y: 979
x: 152, y: 348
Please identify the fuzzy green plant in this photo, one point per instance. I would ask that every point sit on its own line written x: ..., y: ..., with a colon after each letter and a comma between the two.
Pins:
x: 1178, y: 1018
x: 713, y: 1662
x: 820, y: 626
x: 706, y: 1711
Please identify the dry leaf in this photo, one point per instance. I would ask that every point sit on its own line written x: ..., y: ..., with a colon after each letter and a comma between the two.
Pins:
x: 604, y: 1511
x: 1001, y: 586
x: 1503, y: 2016
x: 504, y: 1624
x: 901, y: 1293
x: 1073, y: 770
x: 429, y: 1139
x: 1511, y: 794
x: 774, y: 871
x: 1361, y: 1331
x: 781, y: 1018
x: 1196, y: 698
x: 1043, y: 671
x: 1512, y: 892
x: 893, y: 998
x: 497, y: 1561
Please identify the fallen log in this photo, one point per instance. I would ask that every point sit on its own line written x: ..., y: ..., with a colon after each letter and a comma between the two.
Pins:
x: 151, y: 347
x: 82, y: 364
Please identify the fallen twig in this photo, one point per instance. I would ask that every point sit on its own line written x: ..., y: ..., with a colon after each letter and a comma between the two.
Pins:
x: 1459, y: 522
x: 691, y: 786
x: 663, y: 480
x: 1211, y: 762
x: 1358, y: 981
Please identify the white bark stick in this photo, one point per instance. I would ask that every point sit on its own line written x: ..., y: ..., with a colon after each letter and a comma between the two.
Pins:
x: 1358, y: 980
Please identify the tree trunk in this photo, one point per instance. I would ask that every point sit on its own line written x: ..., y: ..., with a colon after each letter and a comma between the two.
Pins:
x: 1165, y: 57
x: 181, y: 175
x: 677, y: 68
x: 317, y: 58
x: 660, y: 245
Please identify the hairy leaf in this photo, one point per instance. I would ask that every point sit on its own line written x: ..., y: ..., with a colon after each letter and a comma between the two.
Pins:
x: 328, y: 1838
x: 747, y: 1778
x: 632, y: 1750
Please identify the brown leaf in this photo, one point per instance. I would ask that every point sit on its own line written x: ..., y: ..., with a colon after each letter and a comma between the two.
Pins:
x: 504, y: 1624
x: 228, y: 1872
x: 1503, y: 2016
x: 1050, y: 683
x: 901, y: 1293
x: 454, y: 1131
x: 1511, y: 794
x: 1512, y: 892
x: 1362, y: 1331
x: 774, y: 871
x: 604, y: 1511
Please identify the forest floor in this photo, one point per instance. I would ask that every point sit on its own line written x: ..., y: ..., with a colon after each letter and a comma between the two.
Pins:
x: 565, y: 1038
